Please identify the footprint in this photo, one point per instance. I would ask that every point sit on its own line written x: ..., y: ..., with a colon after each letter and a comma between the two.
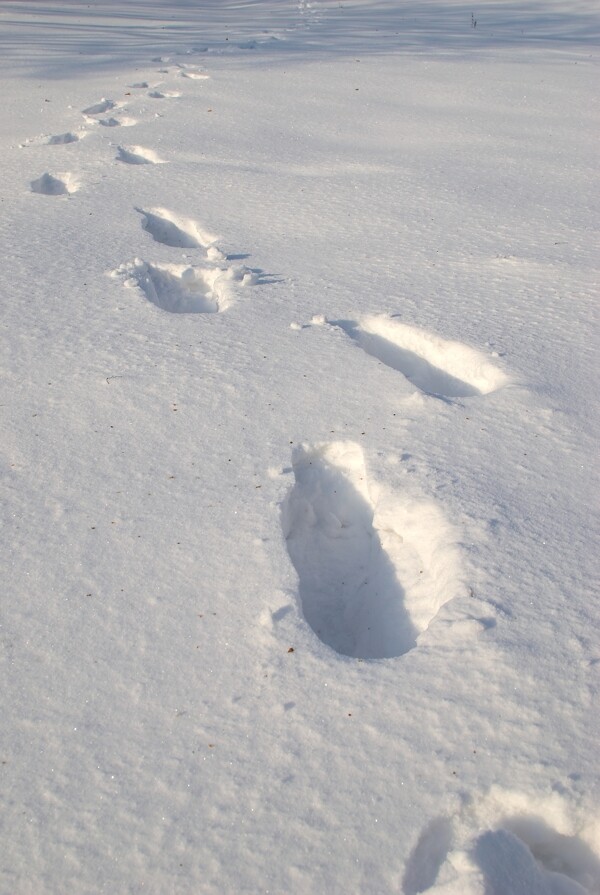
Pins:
x: 427, y: 857
x: 183, y: 289
x: 173, y: 230
x: 194, y: 75
x: 55, y: 140
x: 509, y: 865
x: 557, y: 853
x: 116, y: 122
x: 137, y: 155
x: 54, y: 185
x: 436, y: 366
x: 140, y: 85
x: 505, y: 844
x: 105, y: 105
x: 168, y: 94
x: 371, y: 576
x: 62, y: 139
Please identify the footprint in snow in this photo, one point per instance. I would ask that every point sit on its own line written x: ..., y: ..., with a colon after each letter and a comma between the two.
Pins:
x: 92, y: 114
x: 427, y: 856
x: 167, y: 94
x: 54, y: 185
x: 116, y: 122
x: 191, y: 70
x: 505, y: 846
x: 62, y: 139
x: 194, y: 75
x: 137, y: 155
x: 372, y: 577
x: 105, y: 105
x: 185, y: 289
x: 436, y: 366
x: 54, y: 140
x: 176, y: 231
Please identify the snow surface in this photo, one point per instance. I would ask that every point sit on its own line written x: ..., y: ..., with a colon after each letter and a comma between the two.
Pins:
x: 300, y: 537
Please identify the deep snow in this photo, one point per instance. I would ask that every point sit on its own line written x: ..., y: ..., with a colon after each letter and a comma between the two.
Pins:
x: 300, y: 424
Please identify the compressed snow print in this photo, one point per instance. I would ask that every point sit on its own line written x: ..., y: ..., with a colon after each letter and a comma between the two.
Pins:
x: 185, y: 289
x: 138, y: 155
x: 177, y: 231
x: 55, y: 184
x: 436, y: 366
x: 371, y: 578
x: 507, y: 841
x: 62, y: 139
x: 104, y: 105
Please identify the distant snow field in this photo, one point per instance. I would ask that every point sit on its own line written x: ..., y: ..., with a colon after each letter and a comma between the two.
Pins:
x: 299, y: 520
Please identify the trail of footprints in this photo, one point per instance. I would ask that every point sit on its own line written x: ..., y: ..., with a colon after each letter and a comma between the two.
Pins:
x: 373, y: 571
x: 374, y: 568
x: 200, y: 288
x: 108, y: 113
x: 205, y: 288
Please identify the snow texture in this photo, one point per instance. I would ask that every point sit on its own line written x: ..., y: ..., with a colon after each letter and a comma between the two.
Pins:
x: 299, y: 520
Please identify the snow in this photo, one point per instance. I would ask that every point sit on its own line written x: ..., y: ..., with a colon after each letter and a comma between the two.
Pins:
x: 300, y: 430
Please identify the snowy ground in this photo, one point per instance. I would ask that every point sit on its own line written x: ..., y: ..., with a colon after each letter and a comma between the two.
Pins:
x: 298, y: 389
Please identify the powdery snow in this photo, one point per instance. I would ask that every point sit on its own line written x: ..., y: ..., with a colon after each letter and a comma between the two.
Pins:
x: 299, y: 529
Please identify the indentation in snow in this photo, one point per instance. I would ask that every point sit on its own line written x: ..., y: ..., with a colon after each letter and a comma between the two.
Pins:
x: 427, y: 857
x: 176, y: 231
x: 194, y: 75
x: 54, y: 185
x: 99, y: 108
x: 436, y: 366
x: 372, y: 576
x: 185, y: 289
x: 167, y: 94
x: 507, y: 842
x: 137, y: 155
x: 556, y: 852
x: 62, y: 139
x: 117, y: 122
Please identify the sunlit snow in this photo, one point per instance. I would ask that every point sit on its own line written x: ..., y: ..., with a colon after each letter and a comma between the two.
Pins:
x: 299, y: 309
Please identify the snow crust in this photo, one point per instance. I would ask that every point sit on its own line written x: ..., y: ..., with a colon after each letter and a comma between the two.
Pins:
x: 299, y: 457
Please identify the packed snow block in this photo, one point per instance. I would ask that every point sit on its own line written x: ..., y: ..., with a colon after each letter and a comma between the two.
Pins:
x: 372, y: 575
